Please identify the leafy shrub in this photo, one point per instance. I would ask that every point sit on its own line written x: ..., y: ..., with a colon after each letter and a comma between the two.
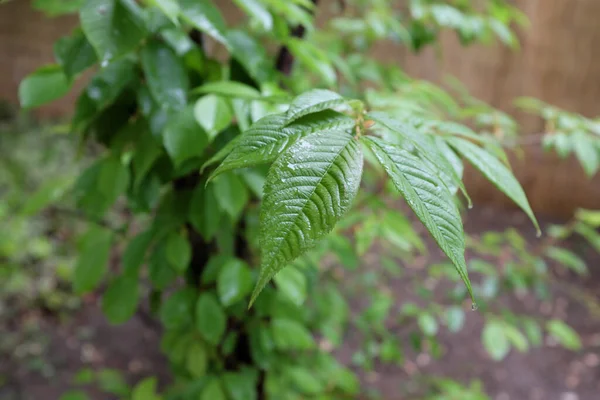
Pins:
x: 227, y: 163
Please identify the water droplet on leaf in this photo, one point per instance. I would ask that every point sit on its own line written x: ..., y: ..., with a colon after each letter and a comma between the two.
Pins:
x: 474, y: 306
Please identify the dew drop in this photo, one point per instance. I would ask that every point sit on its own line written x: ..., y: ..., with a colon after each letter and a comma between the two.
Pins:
x: 538, y: 234
x: 470, y: 206
x: 474, y: 306
x: 104, y: 63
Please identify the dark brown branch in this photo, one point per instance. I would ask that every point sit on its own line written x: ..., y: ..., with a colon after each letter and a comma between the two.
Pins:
x: 285, y: 59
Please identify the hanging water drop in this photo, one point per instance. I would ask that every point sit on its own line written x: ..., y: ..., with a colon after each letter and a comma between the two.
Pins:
x: 470, y: 206
x: 538, y: 234
x: 474, y: 306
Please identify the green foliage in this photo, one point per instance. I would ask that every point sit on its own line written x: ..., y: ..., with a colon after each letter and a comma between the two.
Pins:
x: 226, y: 162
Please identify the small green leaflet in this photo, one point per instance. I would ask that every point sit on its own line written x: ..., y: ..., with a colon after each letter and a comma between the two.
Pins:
x: 429, y: 198
x: 495, y: 341
x: 564, y: 334
x: 74, y: 54
x: 112, y: 27
x: 587, y: 152
x: 258, y: 11
x: 165, y: 75
x: 313, y: 58
x: 268, y: 138
x: 211, y: 320
x: 234, y: 281
x: 170, y: 8
x: 93, y: 259
x: 308, y: 189
x: 183, y: 137
x: 252, y: 55
x: 121, y: 298
x: 43, y: 86
x: 311, y: 102
x: 229, y: 89
x: 213, y: 113
x: 496, y: 172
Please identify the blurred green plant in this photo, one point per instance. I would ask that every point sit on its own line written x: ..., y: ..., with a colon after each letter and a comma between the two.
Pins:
x: 37, y: 252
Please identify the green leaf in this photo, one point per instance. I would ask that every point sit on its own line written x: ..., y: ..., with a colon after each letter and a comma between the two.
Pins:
x: 426, y: 147
x: 113, y: 27
x: 516, y: 338
x: 495, y: 341
x: 533, y: 332
x: 305, y: 380
x: 74, y: 54
x: 390, y: 351
x: 564, y: 334
x: 257, y: 10
x: 177, y: 312
x: 165, y: 75
x: 178, y: 252
x: 268, y: 138
x: 312, y: 101
x: 496, y: 172
x: 232, y: 195
x: 43, y: 86
x: 110, y: 82
x: 93, y: 259
x: 241, y: 385
x: 587, y: 153
x: 111, y: 381
x: 454, y: 160
x: 204, y: 213
x: 211, y: 320
x: 204, y: 16
x: 291, y: 335
x: 567, y: 258
x: 160, y: 273
x: 428, y: 197
x: 229, y: 89
x: 213, y: 391
x: 74, y: 395
x: 428, y: 324
x: 183, y: 137
x: 234, y: 282
x: 146, y: 153
x: 170, y: 8
x: 145, y: 390
x: 197, y: 360
x: 54, y: 8
x: 213, y: 113
x: 314, y: 58
x: 121, y: 298
x: 113, y: 179
x: 135, y: 252
x: 252, y: 55
x: 292, y: 283
x: 308, y: 189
